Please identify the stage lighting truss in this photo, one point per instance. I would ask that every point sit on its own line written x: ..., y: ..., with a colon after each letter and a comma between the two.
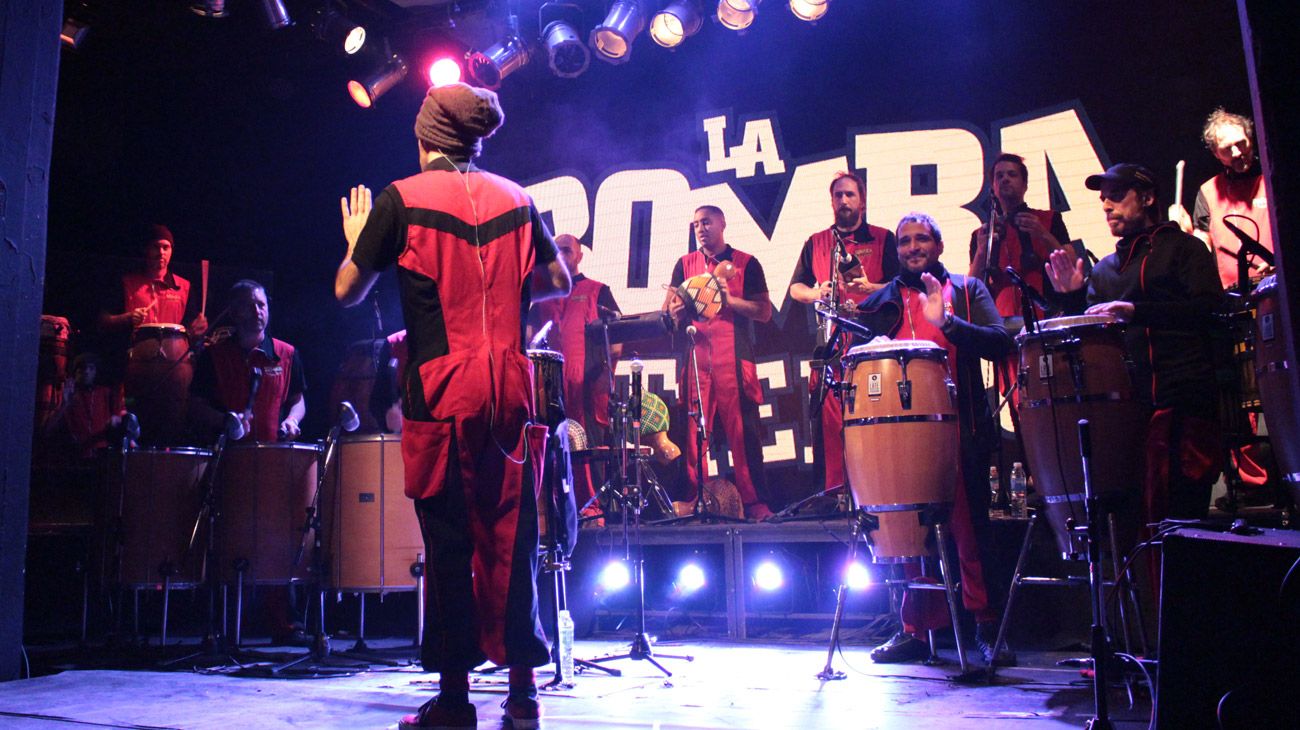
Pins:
x: 612, y: 39
x: 490, y: 67
x: 275, y: 15
x: 364, y: 93
x: 336, y: 29
x: 567, y: 54
x: 809, y: 10
x: 737, y: 14
x: 677, y: 21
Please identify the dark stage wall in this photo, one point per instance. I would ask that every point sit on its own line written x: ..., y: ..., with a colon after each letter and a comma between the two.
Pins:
x: 243, y: 141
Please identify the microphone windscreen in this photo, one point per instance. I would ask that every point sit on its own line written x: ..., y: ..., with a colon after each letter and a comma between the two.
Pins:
x: 234, y: 427
x: 348, y: 418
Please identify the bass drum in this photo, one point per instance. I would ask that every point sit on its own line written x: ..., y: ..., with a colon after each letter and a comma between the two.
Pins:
x: 157, y: 509
x: 376, y: 540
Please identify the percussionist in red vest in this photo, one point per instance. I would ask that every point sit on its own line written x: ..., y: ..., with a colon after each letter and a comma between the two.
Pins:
x: 1022, y: 240
x: 154, y: 294
x: 724, y: 345
x: 1235, y: 195
x: 471, y: 253
x: 927, y: 302
x: 224, y: 377
x: 586, y: 374
x: 867, y: 256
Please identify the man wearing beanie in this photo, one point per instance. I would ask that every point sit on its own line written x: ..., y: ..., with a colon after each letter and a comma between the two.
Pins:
x: 471, y: 253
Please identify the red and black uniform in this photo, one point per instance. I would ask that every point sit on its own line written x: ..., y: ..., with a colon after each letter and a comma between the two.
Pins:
x: 729, y: 387
x: 1239, y: 199
x: 1025, y: 253
x: 223, y: 377
x: 1172, y: 282
x: 874, y: 253
x: 465, y: 243
x: 586, y: 375
x: 88, y: 415
x: 166, y: 298
x: 974, y: 332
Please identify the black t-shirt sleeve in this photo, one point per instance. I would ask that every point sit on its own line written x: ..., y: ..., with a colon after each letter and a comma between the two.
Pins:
x: 1201, y: 213
x: 889, y: 265
x: 543, y: 243
x: 803, y: 270
x: 679, y: 275
x: 297, y: 377
x: 605, y: 298
x: 755, y: 281
x: 384, y: 237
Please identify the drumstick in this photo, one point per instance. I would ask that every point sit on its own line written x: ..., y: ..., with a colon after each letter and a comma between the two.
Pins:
x: 203, y: 279
x: 1178, y: 181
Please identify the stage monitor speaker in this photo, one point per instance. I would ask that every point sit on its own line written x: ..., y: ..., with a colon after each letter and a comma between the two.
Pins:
x: 1228, y: 629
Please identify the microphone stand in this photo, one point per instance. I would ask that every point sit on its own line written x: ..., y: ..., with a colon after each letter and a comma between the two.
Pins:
x: 1101, y: 653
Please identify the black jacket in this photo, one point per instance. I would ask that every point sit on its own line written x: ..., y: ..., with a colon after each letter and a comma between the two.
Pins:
x: 976, y: 331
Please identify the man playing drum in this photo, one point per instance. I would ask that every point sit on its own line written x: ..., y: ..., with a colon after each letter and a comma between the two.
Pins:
x: 927, y: 302
x: 471, y: 252
x: 1164, y: 284
x: 586, y: 374
x: 867, y: 256
x: 724, y: 346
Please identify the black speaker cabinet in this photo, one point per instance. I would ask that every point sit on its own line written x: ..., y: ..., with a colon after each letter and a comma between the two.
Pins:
x: 1226, y: 626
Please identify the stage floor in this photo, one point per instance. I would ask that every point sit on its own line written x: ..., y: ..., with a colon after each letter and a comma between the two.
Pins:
x: 726, y: 686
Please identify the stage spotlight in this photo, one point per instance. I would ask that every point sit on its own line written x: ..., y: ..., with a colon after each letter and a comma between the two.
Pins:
x: 275, y: 15
x: 488, y: 68
x: 737, y: 14
x: 615, y: 576
x: 379, y: 83
x: 857, y: 577
x: 689, y: 579
x: 210, y: 8
x: 330, y: 26
x: 808, y: 10
x: 612, y: 39
x: 768, y: 576
x: 678, y: 21
x: 73, y: 33
x: 568, y: 55
x: 444, y: 71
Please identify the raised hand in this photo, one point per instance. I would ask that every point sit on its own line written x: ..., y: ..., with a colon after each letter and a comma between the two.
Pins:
x: 933, y: 309
x: 1065, y: 270
x: 356, y: 211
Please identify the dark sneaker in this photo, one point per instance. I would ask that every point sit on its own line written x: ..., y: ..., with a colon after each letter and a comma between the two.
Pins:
x: 901, y: 648
x: 433, y: 715
x: 522, y: 713
x: 986, y: 634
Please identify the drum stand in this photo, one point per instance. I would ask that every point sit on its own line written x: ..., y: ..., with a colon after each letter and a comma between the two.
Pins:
x: 630, y: 504
x: 861, y: 526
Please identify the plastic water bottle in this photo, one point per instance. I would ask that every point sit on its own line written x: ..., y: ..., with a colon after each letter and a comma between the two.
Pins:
x: 566, y: 647
x: 1018, y: 489
x: 995, y: 497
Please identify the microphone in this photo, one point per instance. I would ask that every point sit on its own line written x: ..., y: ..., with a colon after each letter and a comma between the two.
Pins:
x: 131, y: 425
x: 1248, y: 244
x: 853, y: 326
x: 348, y: 418
x: 691, y: 331
x: 536, y: 342
x: 234, y: 427
x: 254, y: 383
x: 606, y: 313
x: 1029, y: 291
x: 637, y: 366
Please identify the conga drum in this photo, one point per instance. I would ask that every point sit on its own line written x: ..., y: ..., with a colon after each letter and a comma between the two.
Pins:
x: 159, y: 369
x: 548, y: 407
x: 265, y: 492
x: 548, y: 386
x: 1276, y: 376
x: 1073, y: 368
x: 375, y: 534
x: 52, y: 367
x: 157, y: 507
x: 900, y: 441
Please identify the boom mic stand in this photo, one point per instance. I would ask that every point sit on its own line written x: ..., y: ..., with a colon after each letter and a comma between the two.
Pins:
x: 631, y: 502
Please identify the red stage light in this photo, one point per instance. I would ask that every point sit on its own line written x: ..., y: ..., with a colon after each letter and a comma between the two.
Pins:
x: 444, y: 71
x: 359, y: 94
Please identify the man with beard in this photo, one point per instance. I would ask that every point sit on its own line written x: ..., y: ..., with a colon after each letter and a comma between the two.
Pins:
x: 866, y: 256
x: 724, y: 349
x: 1161, y: 282
x: 1022, y: 240
x: 927, y: 302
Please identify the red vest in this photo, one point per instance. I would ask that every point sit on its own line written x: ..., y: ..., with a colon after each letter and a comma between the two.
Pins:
x: 166, y: 305
x: 914, y: 326
x: 1005, y: 295
x: 233, y: 367
x: 870, y: 256
x: 88, y: 415
x: 715, y: 343
x: 570, y: 316
x: 1244, y: 197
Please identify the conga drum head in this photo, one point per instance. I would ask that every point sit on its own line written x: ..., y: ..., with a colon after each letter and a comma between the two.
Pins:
x: 1066, y: 324
x: 882, y: 347
x: 158, y: 340
x: 702, y: 295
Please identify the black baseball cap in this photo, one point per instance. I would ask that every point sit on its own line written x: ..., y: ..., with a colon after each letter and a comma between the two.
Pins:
x: 1126, y: 174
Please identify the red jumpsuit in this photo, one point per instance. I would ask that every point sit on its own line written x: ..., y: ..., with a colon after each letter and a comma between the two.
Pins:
x: 465, y: 244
